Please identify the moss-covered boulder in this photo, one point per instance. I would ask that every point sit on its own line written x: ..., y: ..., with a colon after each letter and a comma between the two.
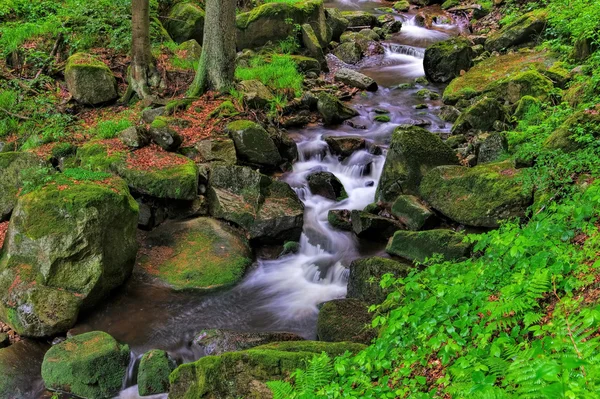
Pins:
x: 480, y: 116
x: 522, y: 30
x: 253, y: 144
x: 153, y: 372
x: 155, y: 173
x: 413, y: 151
x: 349, y: 52
x: 446, y: 59
x: 13, y: 167
x: 333, y: 110
x: 360, y: 19
x: 411, y: 212
x: 313, y: 47
x: 492, y: 148
x: 373, y: 227
x: 563, y: 138
x: 420, y: 245
x: 217, y: 341
x: 163, y: 134
x: 89, y: 80
x: 345, y: 320
x: 356, y: 79
x: 340, y: 219
x: 68, y: 245
x: 306, y: 64
x: 528, y: 83
x: 273, y: 22
x: 201, y: 253
x: 366, y: 273
x: 479, y: 196
x: 185, y: 22
x: 344, y: 146
x: 91, y: 365
x: 327, y: 185
x: 215, y: 150
x: 269, y: 210
x: 367, y: 40
x: 256, y: 94
x: 336, y: 23
x: 244, y: 374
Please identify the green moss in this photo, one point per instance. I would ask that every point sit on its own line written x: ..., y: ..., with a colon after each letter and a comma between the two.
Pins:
x: 84, y: 61
x: 366, y: 274
x: 345, y: 320
x: 420, y: 245
x: 382, y: 118
x: 577, y: 126
x: 411, y: 212
x: 153, y: 373
x: 15, y: 168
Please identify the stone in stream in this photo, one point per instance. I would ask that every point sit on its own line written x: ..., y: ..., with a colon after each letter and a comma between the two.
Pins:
x: 340, y: 219
x: 327, y: 185
x: 480, y: 196
x: 445, y: 60
x: 373, y: 227
x: 91, y: 365
x: 411, y: 212
x: 185, y: 22
x: 20, y: 366
x: 413, y: 151
x: 365, y: 275
x: 333, y: 110
x: 344, y: 146
x: 355, y: 79
x: 360, y: 19
x: 524, y: 29
x: 13, y: 166
x: 218, y: 341
x: 244, y: 374
x: 345, y: 320
x: 253, y: 144
x: 153, y: 372
x: 69, y: 243
x: 419, y: 245
x: 89, y: 80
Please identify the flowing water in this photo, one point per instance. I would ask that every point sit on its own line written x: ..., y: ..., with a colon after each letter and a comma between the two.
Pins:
x: 283, y: 294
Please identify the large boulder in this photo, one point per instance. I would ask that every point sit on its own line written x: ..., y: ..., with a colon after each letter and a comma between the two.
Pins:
x: 91, y: 365
x: 244, y: 374
x: 153, y: 372
x: 360, y: 19
x: 69, y: 243
x: 336, y: 23
x: 355, y: 79
x: 340, y: 219
x: 411, y: 212
x: 185, y: 22
x: 333, y: 110
x: 170, y: 254
x: 373, y: 227
x: 445, y: 60
x: 420, y: 245
x: 13, y: 165
x: 273, y: 22
x: 413, y: 151
x: 217, y: 341
x: 89, y: 80
x: 253, y: 144
x: 269, y: 210
x: 215, y: 150
x: 345, y: 320
x: 327, y: 185
x: 563, y: 137
x: 522, y: 30
x: 480, y: 116
x: 479, y: 196
x: 366, y: 273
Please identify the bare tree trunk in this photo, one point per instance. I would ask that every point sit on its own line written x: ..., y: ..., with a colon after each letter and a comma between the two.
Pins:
x: 217, y: 63
x: 142, y: 68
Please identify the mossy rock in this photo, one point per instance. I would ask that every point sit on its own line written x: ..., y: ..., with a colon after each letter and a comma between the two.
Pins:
x: 373, y: 227
x: 306, y: 64
x: 524, y: 29
x: 413, y: 151
x: 91, y: 365
x: 333, y: 110
x: 189, y: 50
x: 528, y: 83
x: 212, y: 150
x: 344, y: 146
x: 153, y: 372
x: 525, y: 105
x: 356, y: 79
x: 89, y: 80
x: 411, y: 212
x: 311, y: 43
x: 253, y: 144
x: 446, y: 59
x: 218, y: 341
x: 345, y: 320
x: 349, y: 52
x: 327, y: 185
x: 69, y: 243
x: 186, y: 22
x: 336, y: 23
x: 244, y: 374
x: 401, y: 6
x: 202, y: 253
x: 256, y: 94
x: 482, y: 115
x: 360, y: 18
x: 492, y: 149
x: 480, y: 196
x: 366, y: 273
x: 340, y: 219
x: 13, y: 167
x: 563, y: 138
x: 420, y: 245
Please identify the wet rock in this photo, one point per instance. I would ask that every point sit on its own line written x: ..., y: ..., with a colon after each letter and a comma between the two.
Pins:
x: 523, y: 30
x: 360, y: 19
x: 445, y: 60
x: 20, y: 365
x: 256, y: 94
x: 246, y: 372
x: 213, y: 150
x: 449, y: 113
x: 164, y: 135
x: 150, y: 114
x: 349, y: 52
x: 290, y: 247
x: 340, y: 219
x: 367, y: 41
x: 312, y: 45
x: 345, y: 320
x: 480, y: 196
x: 90, y: 365
x: 216, y: 342
x: 480, y: 116
x: 135, y: 137
x: 344, y: 146
x: 492, y: 148
x: 562, y: 139
x: 373, y: 227
x: 355, y: 79
x: 185, y: 22
x: 392, y: 27
x: 336, y: 22
x: 89, y: 80
x: 327, y: 185
x: 333, y: 110
x: 411, y: 212
x: 420, y: 245
x: 153, y: 372
x: 365, y: 275
x: 401, y: 6
x: 456, y: 141
x: 287, y: 147
x: 413, y: 151
x: 13, y: 167
x: 253, y: 144
x: 169, y: 254
x: 68, y: 245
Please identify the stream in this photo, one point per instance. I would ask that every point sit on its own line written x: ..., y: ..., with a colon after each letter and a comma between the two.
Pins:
x: 281, y: 294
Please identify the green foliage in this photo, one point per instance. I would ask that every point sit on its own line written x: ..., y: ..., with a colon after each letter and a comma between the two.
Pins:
x: 309, y: 383
x: 110, y: 128
x: 280, y: 73
x: 572, y: 19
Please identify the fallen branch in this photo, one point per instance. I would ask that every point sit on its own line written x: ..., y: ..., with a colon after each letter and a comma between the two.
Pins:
x: 55, y: 48
x: 7, y: 112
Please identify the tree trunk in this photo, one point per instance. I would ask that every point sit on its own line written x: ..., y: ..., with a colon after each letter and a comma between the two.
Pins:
x: 217, y: 63
x: 142, y: 63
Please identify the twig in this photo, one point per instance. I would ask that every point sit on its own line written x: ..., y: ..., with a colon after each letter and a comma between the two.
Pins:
x: 14, y: 115
x: 51, y: 56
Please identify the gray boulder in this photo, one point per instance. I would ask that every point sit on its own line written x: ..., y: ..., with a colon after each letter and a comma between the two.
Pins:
x: 355, y: 79
x: 253, y: 144
x: 256, y: 94
x: 327, y: 185
x: 186, y: 22
x: 365, y: 275
x: 349, y: 52
x: 89, y: 80
x: 420, y: 245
